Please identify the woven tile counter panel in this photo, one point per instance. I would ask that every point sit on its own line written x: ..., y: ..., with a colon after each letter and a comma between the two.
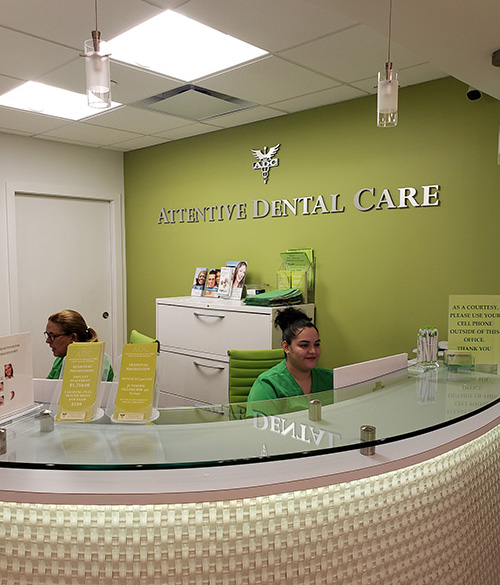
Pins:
x: 432, y: 523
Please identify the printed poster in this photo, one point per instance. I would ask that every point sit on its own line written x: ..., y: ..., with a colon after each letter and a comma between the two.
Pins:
x: 81, y: 380
x: 134, y: 397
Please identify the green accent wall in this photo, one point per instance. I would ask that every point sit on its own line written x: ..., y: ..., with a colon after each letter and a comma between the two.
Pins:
x: 381, y: 274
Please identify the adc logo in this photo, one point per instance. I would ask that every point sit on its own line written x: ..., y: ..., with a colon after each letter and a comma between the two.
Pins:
x: 265, y: 160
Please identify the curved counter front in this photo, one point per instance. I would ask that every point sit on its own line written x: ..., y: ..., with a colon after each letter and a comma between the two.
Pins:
x: 203, y: 496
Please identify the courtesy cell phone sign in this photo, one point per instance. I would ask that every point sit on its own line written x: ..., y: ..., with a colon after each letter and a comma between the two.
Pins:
x: 474, y: 326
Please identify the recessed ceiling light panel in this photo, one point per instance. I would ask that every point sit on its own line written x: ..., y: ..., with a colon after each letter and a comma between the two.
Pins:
x: 180, y: 47
x: 52, y: 101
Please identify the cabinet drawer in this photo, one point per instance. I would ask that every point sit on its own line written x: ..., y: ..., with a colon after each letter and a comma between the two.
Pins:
x: 198, y: 378
x: 211, y: 330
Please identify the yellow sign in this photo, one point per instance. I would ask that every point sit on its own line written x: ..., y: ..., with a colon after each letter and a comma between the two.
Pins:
x: 474, y: 326
x: 82, y: 376
x: 134, y: 397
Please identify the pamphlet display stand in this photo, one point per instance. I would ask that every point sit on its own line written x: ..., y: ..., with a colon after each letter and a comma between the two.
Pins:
x: 298, y: 271
x: 135, y: 400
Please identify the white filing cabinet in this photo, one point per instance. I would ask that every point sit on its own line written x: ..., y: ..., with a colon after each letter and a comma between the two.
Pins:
x: 195, y: 334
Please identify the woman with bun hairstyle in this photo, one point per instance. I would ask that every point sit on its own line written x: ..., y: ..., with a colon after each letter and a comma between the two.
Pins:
x: 297, y: 374
x: 64, y: 328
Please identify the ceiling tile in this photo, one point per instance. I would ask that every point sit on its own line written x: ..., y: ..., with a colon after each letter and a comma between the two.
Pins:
x: 335, y: 95
x: 419, y: 74
x: 28, y: 121
x: 69, y: 22
x: 271, y: 25
x: 350, y: 55
x: 8, y: 83
x: 75, y: 142
x: 25, y: 57
x: 267, y: 81
x: 187, y: 131
x: 246, y: 116
x: 137, y: 120
x: 135, y: 143
x: 90, y: 134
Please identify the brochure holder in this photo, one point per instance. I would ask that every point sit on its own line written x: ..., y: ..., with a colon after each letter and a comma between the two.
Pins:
x: 77, y: 397
x: 142, y: 443
x: 298, y: 271
x: 135, y: 399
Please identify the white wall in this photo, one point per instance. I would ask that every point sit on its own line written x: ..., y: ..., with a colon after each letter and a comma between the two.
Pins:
x: 49, y: 167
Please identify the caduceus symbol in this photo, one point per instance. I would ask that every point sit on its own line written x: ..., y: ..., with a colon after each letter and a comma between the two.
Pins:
x: 265, y: 160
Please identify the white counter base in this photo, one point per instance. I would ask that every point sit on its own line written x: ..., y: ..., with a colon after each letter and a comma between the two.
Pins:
x: 430, y: 522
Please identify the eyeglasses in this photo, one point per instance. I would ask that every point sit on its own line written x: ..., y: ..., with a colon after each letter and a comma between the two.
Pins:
x: 53, y: 336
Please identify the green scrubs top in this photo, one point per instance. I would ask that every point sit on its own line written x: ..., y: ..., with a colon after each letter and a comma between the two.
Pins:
x: 278, y: 383
x: 58, y: 368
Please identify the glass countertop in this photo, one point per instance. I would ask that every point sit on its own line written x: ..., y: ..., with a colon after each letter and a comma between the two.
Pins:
x: 399, y: 405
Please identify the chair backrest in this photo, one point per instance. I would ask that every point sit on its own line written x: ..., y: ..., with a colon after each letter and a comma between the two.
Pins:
x: 136, y: 337
x: 245, y: 366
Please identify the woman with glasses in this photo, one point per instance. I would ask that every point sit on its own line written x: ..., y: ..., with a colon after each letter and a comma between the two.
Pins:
x: 67, y: 327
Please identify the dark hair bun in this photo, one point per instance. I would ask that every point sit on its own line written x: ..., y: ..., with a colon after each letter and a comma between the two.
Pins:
x: 289, y: 316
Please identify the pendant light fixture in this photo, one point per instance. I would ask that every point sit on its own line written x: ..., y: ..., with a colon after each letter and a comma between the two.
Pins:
x: 97, y: 70
x: 387, y: 89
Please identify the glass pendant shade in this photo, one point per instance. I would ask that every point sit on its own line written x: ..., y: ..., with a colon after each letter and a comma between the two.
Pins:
x: 97, y: 75
x: 387, y: 98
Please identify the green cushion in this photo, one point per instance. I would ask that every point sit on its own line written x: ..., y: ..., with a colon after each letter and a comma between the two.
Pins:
x: 245, y: 366
x: 136, y: 337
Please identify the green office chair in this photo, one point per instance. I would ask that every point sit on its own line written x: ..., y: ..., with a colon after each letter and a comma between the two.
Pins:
x: 244, y: 368
x: 136, y: 337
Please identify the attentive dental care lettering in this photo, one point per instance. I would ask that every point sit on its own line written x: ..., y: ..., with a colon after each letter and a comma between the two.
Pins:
x: 365, y: 200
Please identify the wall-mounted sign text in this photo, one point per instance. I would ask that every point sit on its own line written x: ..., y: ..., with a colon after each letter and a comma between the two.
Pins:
x: 474, y: 326
x: 368, y: 199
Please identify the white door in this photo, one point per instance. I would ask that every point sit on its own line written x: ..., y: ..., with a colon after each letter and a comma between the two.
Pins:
x: 63, y: 259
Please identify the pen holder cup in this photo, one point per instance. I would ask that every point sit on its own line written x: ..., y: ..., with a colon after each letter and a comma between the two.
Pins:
x: 427, y: 348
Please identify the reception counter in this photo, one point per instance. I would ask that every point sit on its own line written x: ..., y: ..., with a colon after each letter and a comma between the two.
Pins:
x: 256, y: 494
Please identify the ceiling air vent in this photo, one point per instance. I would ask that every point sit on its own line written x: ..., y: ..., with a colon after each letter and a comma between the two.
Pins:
x: 193, y: 102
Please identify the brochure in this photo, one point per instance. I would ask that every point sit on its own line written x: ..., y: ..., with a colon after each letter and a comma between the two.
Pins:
x: 212, y: 288
x: 226, y: 281
x: 135, y: 394
x: 240, y: 272
x: 200, y: 277
x: 79, y: 399
x: 299, y: 280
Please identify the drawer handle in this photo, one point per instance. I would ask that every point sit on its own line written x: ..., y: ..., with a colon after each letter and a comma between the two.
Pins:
x: 208, y: 315
x: 207, y: 366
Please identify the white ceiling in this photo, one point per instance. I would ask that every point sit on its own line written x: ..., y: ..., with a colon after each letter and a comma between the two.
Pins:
x: 320, y: 52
